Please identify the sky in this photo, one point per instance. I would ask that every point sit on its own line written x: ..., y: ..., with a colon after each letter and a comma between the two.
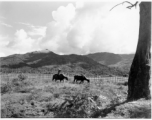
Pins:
x: 67, y: 27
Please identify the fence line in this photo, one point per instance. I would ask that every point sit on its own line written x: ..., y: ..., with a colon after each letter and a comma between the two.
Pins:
x: 49, y: 76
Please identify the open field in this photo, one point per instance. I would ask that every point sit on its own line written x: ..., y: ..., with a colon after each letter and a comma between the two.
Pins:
x: 36, y: 95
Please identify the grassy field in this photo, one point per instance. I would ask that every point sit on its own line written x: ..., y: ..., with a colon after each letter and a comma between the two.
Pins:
x: 36, y: 95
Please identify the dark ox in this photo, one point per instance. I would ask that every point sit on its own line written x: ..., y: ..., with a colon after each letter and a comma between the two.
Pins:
x: 60, y: 77
x: 80, y: 78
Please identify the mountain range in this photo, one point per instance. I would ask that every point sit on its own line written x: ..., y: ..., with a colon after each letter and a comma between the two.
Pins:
x: 97, y: 63
x: 120, y: 61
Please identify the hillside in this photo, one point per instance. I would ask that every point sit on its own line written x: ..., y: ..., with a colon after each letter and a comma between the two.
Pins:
x: 127, y: 56
x: 109, y: 58
x: 120, y: 61
x: 39, y: 59
x: 125, y: 63
x: 105, y: 58
x: 52, y: 61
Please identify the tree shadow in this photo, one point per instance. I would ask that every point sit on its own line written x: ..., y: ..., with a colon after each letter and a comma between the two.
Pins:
x: 104, y: 112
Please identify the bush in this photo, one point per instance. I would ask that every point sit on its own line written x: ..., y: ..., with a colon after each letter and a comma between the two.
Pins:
x: 20, y: 84
x: 22, y: 77
x: 79, y: 106
x: 17, y: 85
x: 16, y: 82
x: 12, y: 110
x: 5, y: 88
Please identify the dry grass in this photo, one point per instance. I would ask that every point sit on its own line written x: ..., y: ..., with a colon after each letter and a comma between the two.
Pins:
x: 39, y: 96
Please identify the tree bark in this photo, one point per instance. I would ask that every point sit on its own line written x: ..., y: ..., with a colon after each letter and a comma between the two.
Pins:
x: 139, y: 76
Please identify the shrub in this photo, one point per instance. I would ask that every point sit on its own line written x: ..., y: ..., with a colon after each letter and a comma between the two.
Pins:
x: 12, y: 110
x: 79, y: 106
x: 5, y: 88
x: 56, y: 95
x: 19, y: 84
x: 22, y: 77
x: 15, y: 85
x: 16, y: 82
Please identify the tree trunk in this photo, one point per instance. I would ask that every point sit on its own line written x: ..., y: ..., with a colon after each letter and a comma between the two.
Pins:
x: 139, y: 76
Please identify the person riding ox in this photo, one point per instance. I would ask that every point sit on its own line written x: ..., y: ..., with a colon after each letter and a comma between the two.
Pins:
x: 59, y: 76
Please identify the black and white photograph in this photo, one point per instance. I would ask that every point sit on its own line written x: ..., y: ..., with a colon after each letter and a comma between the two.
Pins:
x: 75, y: 59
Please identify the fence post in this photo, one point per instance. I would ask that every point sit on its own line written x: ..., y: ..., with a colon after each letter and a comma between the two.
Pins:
x: 115, y: 79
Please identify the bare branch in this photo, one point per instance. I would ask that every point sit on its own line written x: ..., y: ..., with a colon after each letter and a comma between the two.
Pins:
x: 129, y: 7
x: 117, y: 5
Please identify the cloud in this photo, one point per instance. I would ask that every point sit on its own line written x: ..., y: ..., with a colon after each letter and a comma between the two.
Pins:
x: 79, y: 4
x: 23, y: 40
x: 23, y: 43
x: 90, y: 27
x: 35, y: 30
x: 2, y: 17
x: 4, y: 40
x: 58, y: 29
x: 83, y: 28
x: 4, y: 24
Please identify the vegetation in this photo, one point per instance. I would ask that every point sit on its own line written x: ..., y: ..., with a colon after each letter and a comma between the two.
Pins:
x: 37, y: 62
x: 29, y: 95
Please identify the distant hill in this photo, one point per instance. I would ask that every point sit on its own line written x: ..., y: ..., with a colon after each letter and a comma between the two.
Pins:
x: 105, y: 58
x: 125, y: 63
x: 39, y: 59
x: 47, y: 59
x: 127, y: 56
x: 120, y: 61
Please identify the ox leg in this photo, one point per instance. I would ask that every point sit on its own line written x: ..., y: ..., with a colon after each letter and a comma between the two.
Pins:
x: 80, y: 81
